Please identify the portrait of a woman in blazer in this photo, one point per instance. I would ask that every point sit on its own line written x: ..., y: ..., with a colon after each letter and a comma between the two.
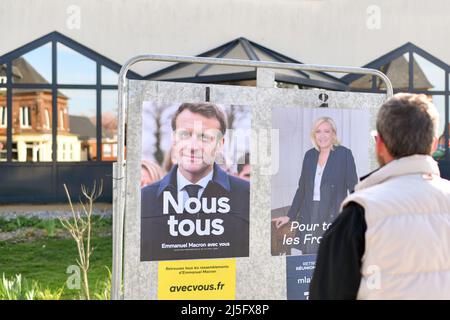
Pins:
x: 328, y: 174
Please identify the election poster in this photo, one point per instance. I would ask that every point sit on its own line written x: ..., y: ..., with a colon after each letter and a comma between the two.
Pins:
x: 299, y: 272
x: 328, y: 151
x: 195, y: 181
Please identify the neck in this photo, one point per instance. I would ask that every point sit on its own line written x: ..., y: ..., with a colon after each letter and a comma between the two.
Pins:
x: 325, y: 150
x: 197, y: 176
x: 384, y: 159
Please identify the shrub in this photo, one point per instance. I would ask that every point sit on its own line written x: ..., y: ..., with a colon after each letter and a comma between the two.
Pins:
x: 18, y: 288
x: 15, y: 288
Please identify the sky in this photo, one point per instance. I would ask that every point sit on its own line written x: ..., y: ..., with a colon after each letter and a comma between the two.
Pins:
x: 74, y: 68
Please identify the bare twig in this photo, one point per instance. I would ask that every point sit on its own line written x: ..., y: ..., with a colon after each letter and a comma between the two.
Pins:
x: 81, y: 227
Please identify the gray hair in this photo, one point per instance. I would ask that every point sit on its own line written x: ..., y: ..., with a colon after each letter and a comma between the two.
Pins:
x: 407, y: 123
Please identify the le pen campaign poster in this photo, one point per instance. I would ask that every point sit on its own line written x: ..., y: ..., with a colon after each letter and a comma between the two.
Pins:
x: 307, y: 194
x: 195, y: 185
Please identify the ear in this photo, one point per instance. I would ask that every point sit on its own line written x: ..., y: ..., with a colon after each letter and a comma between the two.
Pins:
x: 382, y: 150
x: 379, y: 145
x: 435, y: 144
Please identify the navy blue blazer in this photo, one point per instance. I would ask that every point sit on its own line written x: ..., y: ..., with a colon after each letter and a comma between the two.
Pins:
x: 338, y: 179
x: 154, y: 228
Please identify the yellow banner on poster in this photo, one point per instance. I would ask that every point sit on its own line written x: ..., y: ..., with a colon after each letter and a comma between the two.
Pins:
x: 197, y: 280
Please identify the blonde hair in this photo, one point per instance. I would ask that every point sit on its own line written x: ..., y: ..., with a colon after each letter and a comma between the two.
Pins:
x: 317, y: 123
x: 154, y: 170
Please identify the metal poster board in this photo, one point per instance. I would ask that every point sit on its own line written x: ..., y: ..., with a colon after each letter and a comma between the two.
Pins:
x: 255, y: 270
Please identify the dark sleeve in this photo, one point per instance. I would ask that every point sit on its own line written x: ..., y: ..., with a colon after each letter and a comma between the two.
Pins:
x: 299, y: 194
x: 352, y: 177
x: 337, y: 274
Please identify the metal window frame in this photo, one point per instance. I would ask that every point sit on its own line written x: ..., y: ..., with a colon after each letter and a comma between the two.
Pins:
x: 54, y: 38
x: 411, y: 49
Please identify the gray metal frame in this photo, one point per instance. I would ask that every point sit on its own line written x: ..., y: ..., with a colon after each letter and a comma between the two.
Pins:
x: 119, y: 197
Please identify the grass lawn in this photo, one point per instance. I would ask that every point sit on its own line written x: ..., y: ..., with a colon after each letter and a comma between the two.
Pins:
x: 46, y: 260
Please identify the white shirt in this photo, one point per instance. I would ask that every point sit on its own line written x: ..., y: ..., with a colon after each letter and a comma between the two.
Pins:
x: 182, y: 182
x: 317, y: 182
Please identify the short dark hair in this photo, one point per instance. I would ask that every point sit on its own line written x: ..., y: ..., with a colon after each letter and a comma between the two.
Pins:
x: 407, y: 123
x: 206, y: 109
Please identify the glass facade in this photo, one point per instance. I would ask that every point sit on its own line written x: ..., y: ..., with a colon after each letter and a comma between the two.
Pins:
x: 411, y: 69
x: 3, y: 124
x: 63, y: 101
x: 58, y: 110
x: 77, y: 125
x: 31, y: 125
x: 109, y: 125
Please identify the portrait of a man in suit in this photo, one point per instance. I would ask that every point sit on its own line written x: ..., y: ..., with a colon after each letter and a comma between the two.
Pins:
x: 197, y: 210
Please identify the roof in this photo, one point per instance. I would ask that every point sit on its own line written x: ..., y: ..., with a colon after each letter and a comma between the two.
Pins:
x: 395, y: 65
x: 27, y: 74
x: 16, y: 72
x: 245, y: 49
x: 24, y: 72
x: 397, y: 71
x: 83, y: 127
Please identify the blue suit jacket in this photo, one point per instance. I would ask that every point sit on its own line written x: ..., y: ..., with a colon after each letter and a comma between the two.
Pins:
x: 155, y: 230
